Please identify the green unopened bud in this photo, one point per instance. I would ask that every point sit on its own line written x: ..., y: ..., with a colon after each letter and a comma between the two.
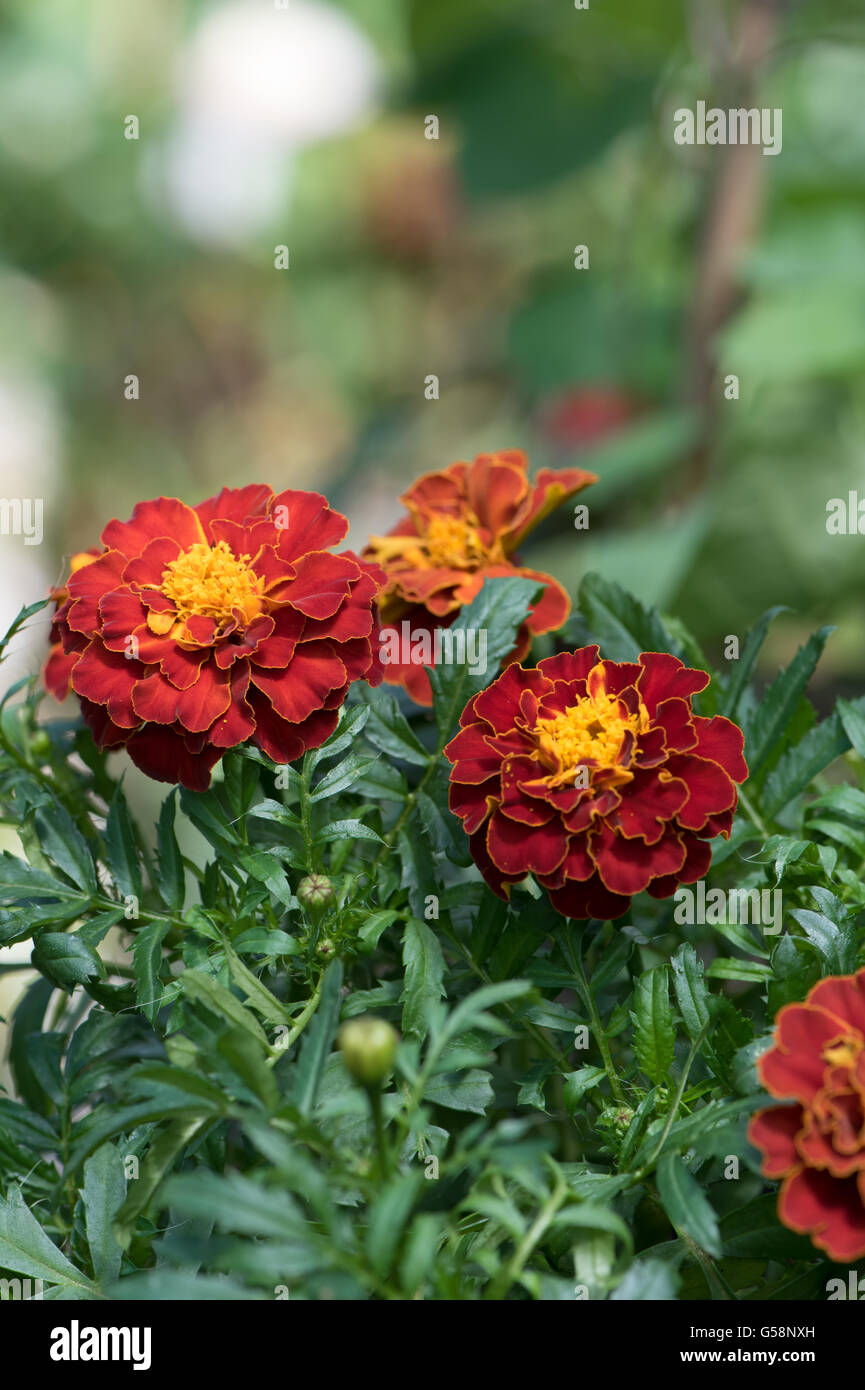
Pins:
x: 368, y: 1047
x: 40, y: 743
x: 315, y: 892
x: 662, y: 1099
x: 617, y: 1118
x: 325, y: 948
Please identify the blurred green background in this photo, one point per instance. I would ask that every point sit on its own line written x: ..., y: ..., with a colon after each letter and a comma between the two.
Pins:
x: 302, y: 124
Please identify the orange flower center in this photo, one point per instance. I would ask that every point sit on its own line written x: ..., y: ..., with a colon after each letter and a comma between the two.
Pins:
x: 445, y: 542
x: 590, y: 733
x: 212, y: 582
x: 452, y: 543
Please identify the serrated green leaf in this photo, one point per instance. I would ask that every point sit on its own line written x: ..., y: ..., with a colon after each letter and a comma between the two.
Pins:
x: 246, y: 1059
x: 771, y: 721
x: 275, y: 811
x: 471, y: 1091
x: 171, y: 883
x: 103, y: 1194
x: 835, y: 944
x: 259, y: 996
x: 577, y: 1083
x: 26, y: 1249
x: 498, y: 610
x: 742, y: 669
x: 686, y: 1205
x: 161, y: 1157
x: 654, y: 1035
x: 531, y: 1090
x: 852, y: 716
x: 339, y: 778
x: 388, y: 1216
x: 647, y: 1279
x: 388, y: 730
x: 20, y: 881
x: 318, y: 1040
x: 375, y: 924
x: 728, y: 968
x: 346, y: 830
x: 267, y: 869
x: 424, y: 967
x: 351, y: 725
x: 121, y: 848
x: 204, y: 989
x: 266, y: 941
x: 63, y: 842
x: 66, y: 959
x: 622, y: 626
x: 800, y: 765
x: 691, y: 991
x: 17, y: 923
x: 146, y: 961
x: 237, y: 1203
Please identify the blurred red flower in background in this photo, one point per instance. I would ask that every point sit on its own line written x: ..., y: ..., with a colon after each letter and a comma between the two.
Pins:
x: 464, y: 526
x: 817, y: 1145
x: 596, y: 777
x: 199, y: 628
x: 587, y: 415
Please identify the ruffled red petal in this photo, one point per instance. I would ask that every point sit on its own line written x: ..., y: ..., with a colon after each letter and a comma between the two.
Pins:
x: 794, y: 1068
x: 774, y: 1132
x: 828, y: 1209
x: 164, y: 516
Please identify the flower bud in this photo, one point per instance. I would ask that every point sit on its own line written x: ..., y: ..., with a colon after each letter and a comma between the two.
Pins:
x: 616, y: 1118
x: 368, y: 1046
x: 315, y: 892
x: 325, y: 948
x: 40, y: 743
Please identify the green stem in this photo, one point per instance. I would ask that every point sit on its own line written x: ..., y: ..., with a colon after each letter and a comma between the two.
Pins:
x: 305, y: 821
x: 753, y: 813
x: 718, y: 1286
x: 598, y: 1031
x: 408, y: 807
x: 306, y: 1014
x: 381, y: 1145
x: 512, y: 1270
x: 75, y: 805
x: 677, y: 1101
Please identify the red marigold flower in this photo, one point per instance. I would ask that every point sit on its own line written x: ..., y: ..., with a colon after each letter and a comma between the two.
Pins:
x: 596, y: 777
x: 817, y: 1144
x: 198, y: 628
x: 464, y: 526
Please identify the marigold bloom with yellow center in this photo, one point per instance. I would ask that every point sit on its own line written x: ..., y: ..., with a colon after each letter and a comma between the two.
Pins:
x: 465, y: 524
x: 198, y: 628
x: 593, y: 733
x: 816, y: 1144
x: 208, y: 581
x: 597, y: 777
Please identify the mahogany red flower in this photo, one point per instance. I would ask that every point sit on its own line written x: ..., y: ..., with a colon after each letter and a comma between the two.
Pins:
x: 816, y: 1145
x: 464, y: 526
x: 596, y: 777
x: 198, y: 628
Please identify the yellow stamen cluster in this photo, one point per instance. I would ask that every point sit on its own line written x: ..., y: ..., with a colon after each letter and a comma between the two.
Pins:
x: 843, y: 1054
x: 452, y: 543
x: 211, y: 582
x: 445, y: 542
x: 591, y: 732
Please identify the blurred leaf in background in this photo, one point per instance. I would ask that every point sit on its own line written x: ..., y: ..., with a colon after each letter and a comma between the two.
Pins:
x: 451, y: 257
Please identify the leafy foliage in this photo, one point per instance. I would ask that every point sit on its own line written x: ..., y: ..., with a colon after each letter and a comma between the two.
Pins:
x: 566, y: 1098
